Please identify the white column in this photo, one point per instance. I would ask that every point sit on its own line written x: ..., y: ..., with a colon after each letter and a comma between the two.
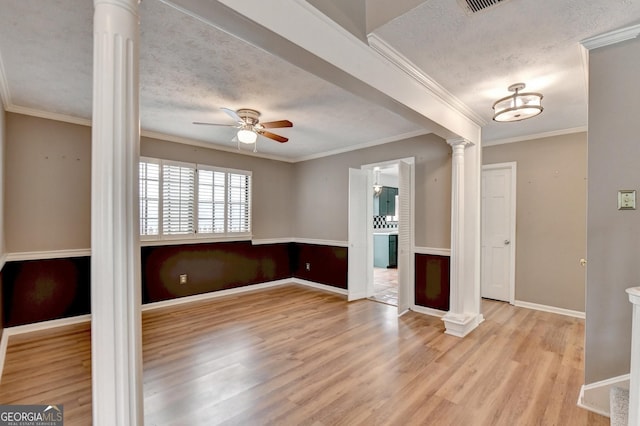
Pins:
x: 463, y: 315
x: 634, y: 382
x: 116, y: 350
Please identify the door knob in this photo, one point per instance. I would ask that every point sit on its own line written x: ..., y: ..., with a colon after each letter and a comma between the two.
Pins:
x: 507, y: 242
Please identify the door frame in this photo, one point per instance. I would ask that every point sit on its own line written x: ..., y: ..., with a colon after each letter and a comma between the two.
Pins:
x: 369, y: 243
x: 513, y: 167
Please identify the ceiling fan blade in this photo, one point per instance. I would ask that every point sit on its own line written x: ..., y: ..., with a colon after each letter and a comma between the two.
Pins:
x: 277, y: 124
x: 214, y: 124
x: 273, y: 136
x: 233, y: 114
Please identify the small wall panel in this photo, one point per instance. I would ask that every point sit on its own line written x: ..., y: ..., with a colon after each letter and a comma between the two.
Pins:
x: 210, y: 267
x: 432, y: 281
x: 40, y: 290
x: 327, y: 264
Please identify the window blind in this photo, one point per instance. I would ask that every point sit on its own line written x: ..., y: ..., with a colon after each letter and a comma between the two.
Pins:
x: 178, y: 199
x: 149, y: 198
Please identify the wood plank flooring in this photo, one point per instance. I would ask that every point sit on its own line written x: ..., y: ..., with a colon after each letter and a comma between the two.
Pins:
x: 297, y: 356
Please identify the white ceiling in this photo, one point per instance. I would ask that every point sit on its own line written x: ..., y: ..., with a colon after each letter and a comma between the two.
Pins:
x: 189, y: 69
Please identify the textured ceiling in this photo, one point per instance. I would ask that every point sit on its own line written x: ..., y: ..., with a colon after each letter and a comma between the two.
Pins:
x: 476, y: 57
x: 190, y: 69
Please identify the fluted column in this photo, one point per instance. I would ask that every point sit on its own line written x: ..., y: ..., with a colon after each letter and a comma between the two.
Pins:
x: 115, y: 251
x: 634, y: 381
x: 463, y: 315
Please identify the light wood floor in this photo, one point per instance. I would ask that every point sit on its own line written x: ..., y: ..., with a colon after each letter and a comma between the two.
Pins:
x: 296, y: 356
x: 385, y: 285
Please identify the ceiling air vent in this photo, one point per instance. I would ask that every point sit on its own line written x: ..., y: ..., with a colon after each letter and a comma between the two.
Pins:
x: 473, y: 6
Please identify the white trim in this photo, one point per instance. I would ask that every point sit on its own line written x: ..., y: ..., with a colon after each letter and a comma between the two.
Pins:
x: 319, y: 286
x: 65, y: 118
x: 584, y: 55
x: 413, y: 71
x: 3, y: 260
x: 432, y: 251
x: 611, y: 37
x: 213, y: 295
x: 49, y: 254
x: 38, y: 326
x: 265, y: 241
x: 595, y: 396
x: 550, y: 309
x: 363, y: 145
x: 5, y: 94
x: 333, y: 243
x: 534, y: 136
x: 428, y: 311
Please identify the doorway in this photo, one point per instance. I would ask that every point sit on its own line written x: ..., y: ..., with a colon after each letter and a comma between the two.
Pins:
x: 361, y: 241
x: 385, y: 205
x: 498, y: 232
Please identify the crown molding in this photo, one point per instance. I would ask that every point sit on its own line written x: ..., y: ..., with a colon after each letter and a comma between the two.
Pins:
x: 49, y: 115
x: 400, y: 61
x: 611, y: 37
x: 369, y: 144
x: 535, y: 136
x: 5, y: 95
x: 211, y: 145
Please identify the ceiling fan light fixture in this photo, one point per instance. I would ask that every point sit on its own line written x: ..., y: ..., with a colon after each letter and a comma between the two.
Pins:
x: 518, y: 106
x: 246, y: 135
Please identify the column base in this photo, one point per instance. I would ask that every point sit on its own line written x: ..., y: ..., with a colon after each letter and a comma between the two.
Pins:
x: 460, y: 325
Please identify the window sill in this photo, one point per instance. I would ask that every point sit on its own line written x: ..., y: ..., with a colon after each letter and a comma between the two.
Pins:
x: 195, y: 240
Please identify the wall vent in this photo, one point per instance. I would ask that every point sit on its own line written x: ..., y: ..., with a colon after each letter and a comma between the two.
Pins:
x: 474, y: 6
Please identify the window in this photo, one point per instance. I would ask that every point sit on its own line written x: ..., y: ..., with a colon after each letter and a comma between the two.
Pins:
x: 149, y: 198
x: 182, y: 200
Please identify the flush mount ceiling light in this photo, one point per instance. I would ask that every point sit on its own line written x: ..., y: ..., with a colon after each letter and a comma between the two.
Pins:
x: 518, y: 106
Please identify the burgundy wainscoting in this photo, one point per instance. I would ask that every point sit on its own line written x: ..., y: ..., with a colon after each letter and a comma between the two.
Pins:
x: 327, y: 264
x: 210, y: 267
x: 40, y: 290
x: 432, y: 281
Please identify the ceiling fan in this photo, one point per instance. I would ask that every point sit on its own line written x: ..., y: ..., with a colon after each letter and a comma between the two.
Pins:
x: 249, y: 126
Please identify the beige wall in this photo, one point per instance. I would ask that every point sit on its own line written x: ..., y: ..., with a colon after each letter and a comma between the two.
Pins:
x: 322, y: 190
x: 550, y: 218
x: 613, y: 236
x: 47, y: 186
x: 272, y: 182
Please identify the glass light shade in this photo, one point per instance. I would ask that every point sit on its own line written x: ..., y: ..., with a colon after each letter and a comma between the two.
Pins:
x: 247, y: 136
x: 377, y: 189
x: 518, y: 106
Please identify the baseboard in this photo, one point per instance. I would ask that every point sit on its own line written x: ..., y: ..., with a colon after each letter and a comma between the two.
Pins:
x: 319, y: 286
x: 38, y: 326
x: 428, y: 311
x: 551, y: 309
x: 213, y: 295
x: 595, y: 396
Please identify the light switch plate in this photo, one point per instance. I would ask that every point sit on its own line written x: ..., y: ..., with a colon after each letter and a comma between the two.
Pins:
x: 627, y: 199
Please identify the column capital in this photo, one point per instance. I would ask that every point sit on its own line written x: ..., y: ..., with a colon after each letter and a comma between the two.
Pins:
x: 453, y: 142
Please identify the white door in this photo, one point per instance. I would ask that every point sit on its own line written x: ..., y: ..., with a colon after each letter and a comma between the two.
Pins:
x: 359, y: 209
x: 405, y: 269
x: 498, y: 231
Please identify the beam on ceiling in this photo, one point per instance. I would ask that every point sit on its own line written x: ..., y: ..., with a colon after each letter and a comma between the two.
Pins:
x: 298, y: 33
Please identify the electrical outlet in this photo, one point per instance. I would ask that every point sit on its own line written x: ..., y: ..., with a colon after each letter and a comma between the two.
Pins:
x: 183, y: 278
x: 307, y: 266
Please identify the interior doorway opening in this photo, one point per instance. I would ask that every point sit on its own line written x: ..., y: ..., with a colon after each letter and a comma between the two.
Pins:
x: 394, y: 223
x: 386, y: 222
